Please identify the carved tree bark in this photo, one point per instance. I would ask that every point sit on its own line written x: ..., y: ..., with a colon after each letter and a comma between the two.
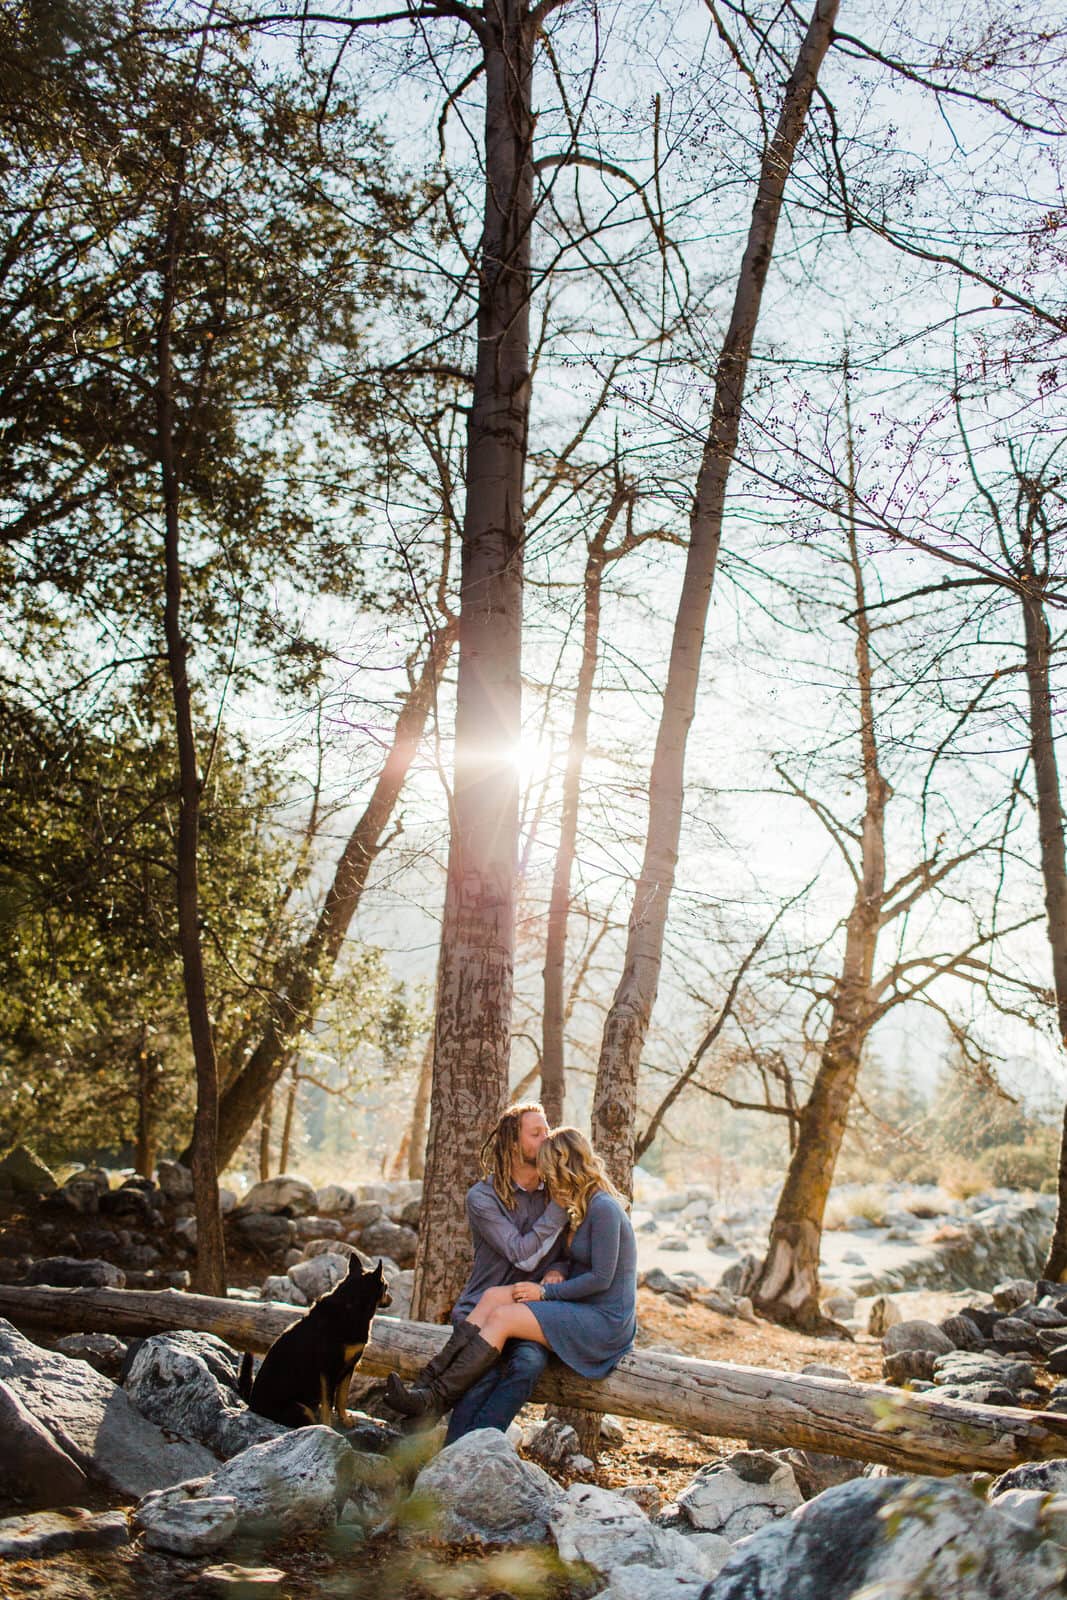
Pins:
x: 298, y: 985
x: 476, y: 963
x: 615, y: 1097
x: 787, y: 1287
x: 420, y: 1114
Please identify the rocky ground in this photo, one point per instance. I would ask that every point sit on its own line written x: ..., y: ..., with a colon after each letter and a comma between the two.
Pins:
x: 664, y: 1508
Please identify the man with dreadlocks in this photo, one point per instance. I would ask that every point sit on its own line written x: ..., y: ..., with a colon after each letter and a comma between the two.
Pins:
x: 518, y: 1235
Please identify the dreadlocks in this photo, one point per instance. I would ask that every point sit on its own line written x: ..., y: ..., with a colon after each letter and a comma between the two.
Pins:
x: 502, y: 1146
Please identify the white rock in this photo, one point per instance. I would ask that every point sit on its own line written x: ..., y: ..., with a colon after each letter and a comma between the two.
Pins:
x: 608, y: 1530
x: 736, y: 1497
x: 612, y: 1432
x: 893, y: 1539
x: 335, y: 1200
x: 651, y: 1583
x: 284, y: 1193
x: 184, y: 1526
x: 296, y: 1482
x: 283, y: 1289
x: 171, y: 1383
x: 478, y: 1488
x: 318, y: 1276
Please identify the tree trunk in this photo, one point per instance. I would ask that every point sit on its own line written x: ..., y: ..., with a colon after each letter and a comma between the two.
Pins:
x: 553, y: 1065
x: 787, y: 1287
x: 1053, y: 861
x: 476, y: 963
x: 285, y: 1147
x: 264, y: 1137
x: 615, y: 1096
x: 298, y: 983
x: 420, y: 1114
x: 147, y: 1074
x: 210, y: 1273
x: 866, y: 1422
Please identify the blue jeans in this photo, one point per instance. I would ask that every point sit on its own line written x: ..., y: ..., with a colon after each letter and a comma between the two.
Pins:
x: 498, y: 1397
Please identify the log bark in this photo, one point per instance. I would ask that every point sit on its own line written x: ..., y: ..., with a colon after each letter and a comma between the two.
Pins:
x: 867, y: 1422
x: 475, y: 973
x: 626, y: 1027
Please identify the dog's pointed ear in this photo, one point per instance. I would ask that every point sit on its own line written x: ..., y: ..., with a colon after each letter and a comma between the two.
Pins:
x: 355, y: 1267
x: 379, y: 1271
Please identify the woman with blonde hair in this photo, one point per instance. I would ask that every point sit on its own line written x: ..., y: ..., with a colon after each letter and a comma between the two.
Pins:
x: 588, y: 1320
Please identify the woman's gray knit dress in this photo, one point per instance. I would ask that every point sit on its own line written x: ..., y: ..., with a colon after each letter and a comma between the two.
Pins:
x: 590, y: 1320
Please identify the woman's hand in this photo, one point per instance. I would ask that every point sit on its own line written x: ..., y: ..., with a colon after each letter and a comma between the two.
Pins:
x: 553, y: 1275
x: 523, y: 1292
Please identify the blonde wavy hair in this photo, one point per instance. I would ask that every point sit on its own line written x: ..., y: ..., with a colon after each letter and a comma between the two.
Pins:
x: 572, y: 1170
x: 501, y: 1147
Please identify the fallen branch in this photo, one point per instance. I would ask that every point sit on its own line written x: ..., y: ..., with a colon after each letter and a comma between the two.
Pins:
x: 912, y: 1432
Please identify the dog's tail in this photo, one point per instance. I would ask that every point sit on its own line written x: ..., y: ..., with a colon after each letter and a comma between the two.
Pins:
x: 244, y: 1380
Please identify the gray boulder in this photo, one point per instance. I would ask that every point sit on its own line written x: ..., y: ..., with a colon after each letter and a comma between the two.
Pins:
x: 318, y: 1276
x: 310, y: 1228
x: 401, y: 1290
x: 815, y: 1471
x: 103, y: 1351
x: 479, y: 1489
x: 1050, y: 1477
x: 262, y: 1231
x: 175, y: 1181
x: 334, y: 1200
x: 294, y: 1196
x: 93, y: 1421
x: 651, y: 1583
x: 385, y: 1238
x: 890, y: 1539
x: 171, y: 1384
x: 34, y: 1470
x: 287, y: 1485
x: 606, y: 1531
x: 973, y: 1366
x: 21, y: 1172
x: 735, y: 1497
x: 915, y: 1335
x: 48, y: 1533
x: 67, y: 1272
x: 280, y: 1287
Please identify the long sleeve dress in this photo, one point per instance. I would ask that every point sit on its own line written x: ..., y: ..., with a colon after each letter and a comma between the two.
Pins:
x: 590, y: 1320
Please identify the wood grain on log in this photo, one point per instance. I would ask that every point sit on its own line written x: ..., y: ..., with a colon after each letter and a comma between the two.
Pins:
x: 869, y: 1422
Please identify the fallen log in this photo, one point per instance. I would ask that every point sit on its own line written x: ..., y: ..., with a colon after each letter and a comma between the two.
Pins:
x: 869, y: 1422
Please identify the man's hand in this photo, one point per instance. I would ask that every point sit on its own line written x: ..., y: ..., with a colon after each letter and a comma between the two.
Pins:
x: 522, y: 1292
x: 553, y: 1275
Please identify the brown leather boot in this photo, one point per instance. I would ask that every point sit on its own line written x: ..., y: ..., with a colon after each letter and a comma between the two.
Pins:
x: 442, y: 1391
x: 397, y: 1394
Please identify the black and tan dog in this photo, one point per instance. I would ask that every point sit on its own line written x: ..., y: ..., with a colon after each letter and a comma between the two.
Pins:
x: 306, y: 1373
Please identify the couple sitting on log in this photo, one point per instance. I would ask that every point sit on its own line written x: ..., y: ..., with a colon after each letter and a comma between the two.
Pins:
x: 555, y: 1270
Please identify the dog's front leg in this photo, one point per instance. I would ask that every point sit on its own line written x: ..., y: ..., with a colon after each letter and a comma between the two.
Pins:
x: 325, y: 1408
x: 341, y: 1399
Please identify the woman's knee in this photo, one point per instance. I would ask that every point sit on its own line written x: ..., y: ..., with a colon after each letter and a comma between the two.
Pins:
x: 491, y: 1299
